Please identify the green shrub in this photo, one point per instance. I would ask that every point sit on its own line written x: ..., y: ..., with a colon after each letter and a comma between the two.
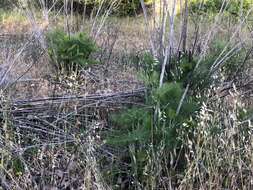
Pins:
x: 143, y: 131
x: 70, y: 52
x: 130, y: 7
x: 211, y: 7
x: 125, y: 7
x: 168, y: 96
x: 17, y: 166
x: 7, y: 4
x: 122, y: 7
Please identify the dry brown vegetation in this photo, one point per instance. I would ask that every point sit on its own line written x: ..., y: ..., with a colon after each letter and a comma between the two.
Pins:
x: 54, y: 128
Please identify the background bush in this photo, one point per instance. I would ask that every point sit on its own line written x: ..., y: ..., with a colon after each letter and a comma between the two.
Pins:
x: 125, y: 7
x: 122, y: 7
x: 214, y: 6
x: 7, y: 4
x: 130, y: 7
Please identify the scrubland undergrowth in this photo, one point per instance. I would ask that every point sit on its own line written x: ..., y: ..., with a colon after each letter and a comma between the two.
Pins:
x: 159, y: 100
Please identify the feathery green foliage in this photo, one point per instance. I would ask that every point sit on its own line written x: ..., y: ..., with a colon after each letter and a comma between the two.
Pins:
x: 70, y: 52
x: 144, y: 130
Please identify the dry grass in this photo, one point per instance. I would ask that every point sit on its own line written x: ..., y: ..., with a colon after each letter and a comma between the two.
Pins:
x: 62, y: 147
x: 35, y: 75
x: 221, y: 155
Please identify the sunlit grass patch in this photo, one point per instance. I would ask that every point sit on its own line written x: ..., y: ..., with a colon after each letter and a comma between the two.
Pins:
x: 12, y: 21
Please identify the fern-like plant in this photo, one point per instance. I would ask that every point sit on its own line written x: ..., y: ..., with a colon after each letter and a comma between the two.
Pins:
x: 70, y: 53
x: 147, y: 129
